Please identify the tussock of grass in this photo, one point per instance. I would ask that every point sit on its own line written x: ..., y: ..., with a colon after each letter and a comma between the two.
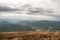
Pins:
x: 30, y: 35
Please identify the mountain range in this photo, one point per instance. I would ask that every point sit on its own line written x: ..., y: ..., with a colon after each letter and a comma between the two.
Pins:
x: 29, y: 25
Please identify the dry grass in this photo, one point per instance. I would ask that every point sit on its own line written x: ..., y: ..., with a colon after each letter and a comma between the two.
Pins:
x: 30, y: 35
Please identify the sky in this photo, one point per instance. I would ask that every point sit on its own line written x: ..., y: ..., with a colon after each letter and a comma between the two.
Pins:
x: 30, y: 9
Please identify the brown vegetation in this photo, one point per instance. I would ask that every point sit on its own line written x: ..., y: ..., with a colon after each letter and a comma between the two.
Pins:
x: 29, y: 35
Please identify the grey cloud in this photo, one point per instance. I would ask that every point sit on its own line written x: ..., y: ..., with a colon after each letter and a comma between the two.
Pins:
x: 37, y: 11
x: 7, y: 9
x: 40, y: 11
x: 47, y: 12
x: 31, y: 10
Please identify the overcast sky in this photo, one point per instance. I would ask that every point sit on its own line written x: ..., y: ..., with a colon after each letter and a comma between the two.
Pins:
x: 18, y: 9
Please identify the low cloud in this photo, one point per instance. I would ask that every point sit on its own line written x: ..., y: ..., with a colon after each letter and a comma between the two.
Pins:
x: 7, y: 9
x: 46, y: 12
x: 29, y: 12
x: 37, y: 11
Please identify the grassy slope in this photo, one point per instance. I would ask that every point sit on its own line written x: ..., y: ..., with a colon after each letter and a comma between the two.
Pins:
x: 30, y: 35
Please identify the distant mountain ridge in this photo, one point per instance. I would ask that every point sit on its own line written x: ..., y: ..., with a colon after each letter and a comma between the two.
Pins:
x: 29, y: 25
